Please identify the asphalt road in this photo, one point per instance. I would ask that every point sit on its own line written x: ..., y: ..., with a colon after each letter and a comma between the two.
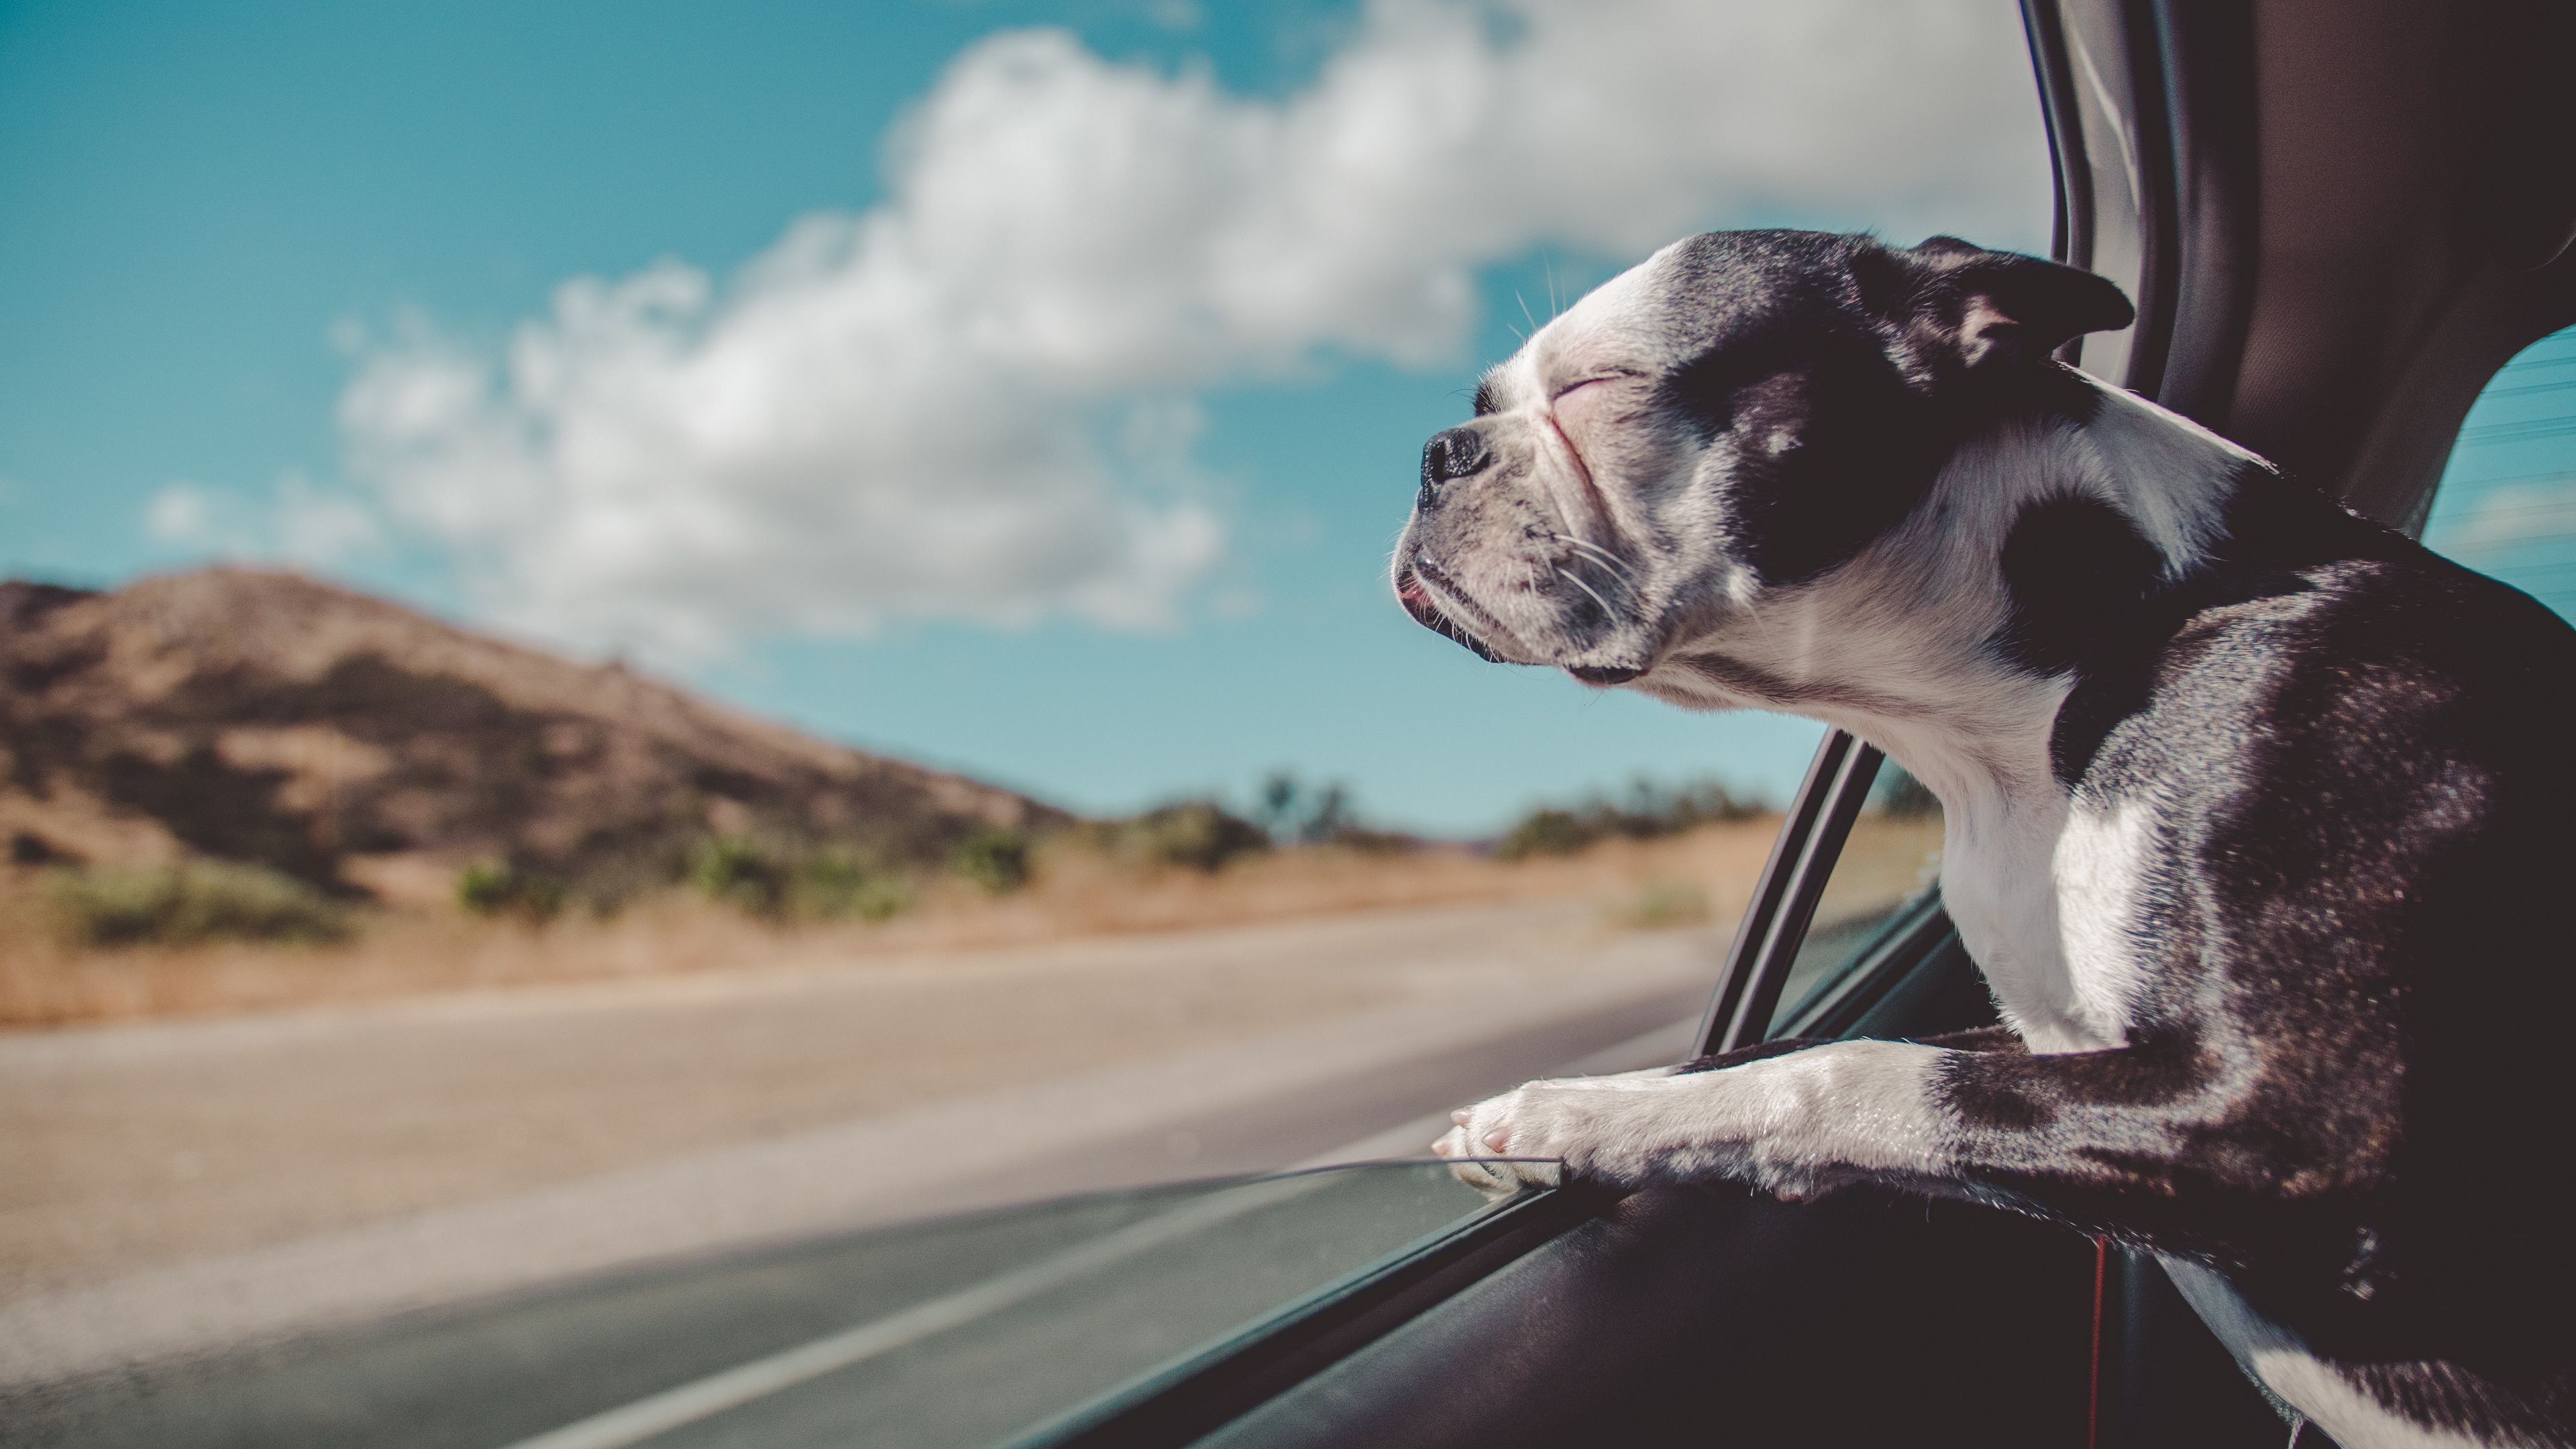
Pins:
x: 951, y: 1331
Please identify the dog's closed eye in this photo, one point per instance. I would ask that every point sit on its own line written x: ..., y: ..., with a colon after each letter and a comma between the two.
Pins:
x: 1579, y: 384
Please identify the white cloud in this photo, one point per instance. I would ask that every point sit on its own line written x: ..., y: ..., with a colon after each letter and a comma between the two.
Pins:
x: 316, y: 525
x: 972, y: 401
x: 193, y: 516
x: 2507, y: 519
x: 303, y: 522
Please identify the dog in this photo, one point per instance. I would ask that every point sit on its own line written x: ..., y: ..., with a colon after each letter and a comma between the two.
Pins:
x: 2255, y: 811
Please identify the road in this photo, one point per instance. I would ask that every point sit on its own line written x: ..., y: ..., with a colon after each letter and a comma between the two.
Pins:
x: 847, y: 1227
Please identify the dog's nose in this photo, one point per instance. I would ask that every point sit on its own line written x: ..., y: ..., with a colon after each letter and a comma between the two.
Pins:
x: 1449, y: 455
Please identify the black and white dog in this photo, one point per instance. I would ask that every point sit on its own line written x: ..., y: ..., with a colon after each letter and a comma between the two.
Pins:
x: 2256, y: 812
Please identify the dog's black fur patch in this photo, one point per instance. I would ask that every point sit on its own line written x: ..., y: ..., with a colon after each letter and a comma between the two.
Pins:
x: 2346, y: 1083
x: 1844, y: 370
x: 2078, y: 570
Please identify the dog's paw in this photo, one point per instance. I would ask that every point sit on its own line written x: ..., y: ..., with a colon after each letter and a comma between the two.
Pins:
x: 1474, y: 1166
x: 1480, y: 1168
x: 1626, y: 1131
x: 1531, y: 1136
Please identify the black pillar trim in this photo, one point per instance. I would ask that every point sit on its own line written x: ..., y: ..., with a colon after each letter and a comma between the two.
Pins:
x: 1784, y: 900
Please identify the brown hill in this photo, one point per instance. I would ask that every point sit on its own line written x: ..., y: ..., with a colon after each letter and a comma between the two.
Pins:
x: 265, y: 717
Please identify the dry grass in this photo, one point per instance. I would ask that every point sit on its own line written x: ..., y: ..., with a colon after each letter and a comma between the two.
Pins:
x: 1705, y: 875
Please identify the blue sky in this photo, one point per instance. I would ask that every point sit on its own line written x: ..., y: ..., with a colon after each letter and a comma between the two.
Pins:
x: 1029, y: 389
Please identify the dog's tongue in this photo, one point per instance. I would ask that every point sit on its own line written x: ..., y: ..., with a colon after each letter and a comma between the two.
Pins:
x: 1603, y: 673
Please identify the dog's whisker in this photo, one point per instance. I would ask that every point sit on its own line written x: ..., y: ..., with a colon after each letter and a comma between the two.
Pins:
x: 1578, y: 582
x: 1586, y: 545
x: 1597, y: 553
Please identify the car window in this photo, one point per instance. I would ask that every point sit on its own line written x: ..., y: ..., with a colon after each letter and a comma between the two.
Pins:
x: 955, y: 1332
x: 2507, y: 502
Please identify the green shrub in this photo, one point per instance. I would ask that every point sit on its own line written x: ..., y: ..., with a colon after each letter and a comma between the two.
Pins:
x: 1649, y: 812
x: 835, y: 884
x: 879, y: 897
x: 1546, y: 832
x: 210, y: 901
x: 496, y: 888
x: 741, y: 872
x: 995, y: 858
x: 1193, y: 834
x: 784, y: 883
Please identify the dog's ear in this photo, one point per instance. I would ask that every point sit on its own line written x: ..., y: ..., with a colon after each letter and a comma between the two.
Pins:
x: 1987, y: 307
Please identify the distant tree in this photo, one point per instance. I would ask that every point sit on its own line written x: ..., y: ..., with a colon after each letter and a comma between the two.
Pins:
x: 1291, y: 811
x: 1329, y: 818
x: 1647, y: 811
x: 1279, y: 797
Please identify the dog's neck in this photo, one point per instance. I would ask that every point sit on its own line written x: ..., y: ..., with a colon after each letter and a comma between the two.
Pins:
x: 1902, y: 647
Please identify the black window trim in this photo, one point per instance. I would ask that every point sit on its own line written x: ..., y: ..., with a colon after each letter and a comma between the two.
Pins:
x: 1784, y: 896
x: 1202, y: 1390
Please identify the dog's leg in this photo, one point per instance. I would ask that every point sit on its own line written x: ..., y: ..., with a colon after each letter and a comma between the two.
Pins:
x: 2059, y: 1131
x: 1860, y: 1104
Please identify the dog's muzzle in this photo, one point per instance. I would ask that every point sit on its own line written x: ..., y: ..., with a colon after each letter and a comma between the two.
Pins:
x: 1411, y: 592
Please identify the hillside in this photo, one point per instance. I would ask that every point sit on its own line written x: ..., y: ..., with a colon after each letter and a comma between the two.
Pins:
x: 266, y: 717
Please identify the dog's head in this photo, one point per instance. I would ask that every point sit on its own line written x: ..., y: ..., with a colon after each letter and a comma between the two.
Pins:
x: 1735, y: 418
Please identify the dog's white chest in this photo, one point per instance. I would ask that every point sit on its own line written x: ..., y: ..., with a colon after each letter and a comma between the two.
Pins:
x: 2046, y: 896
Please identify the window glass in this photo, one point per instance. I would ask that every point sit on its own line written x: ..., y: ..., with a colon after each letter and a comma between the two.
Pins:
x: 956, y: 1332
x: 2507, y: 504
x: 1890, y: 867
